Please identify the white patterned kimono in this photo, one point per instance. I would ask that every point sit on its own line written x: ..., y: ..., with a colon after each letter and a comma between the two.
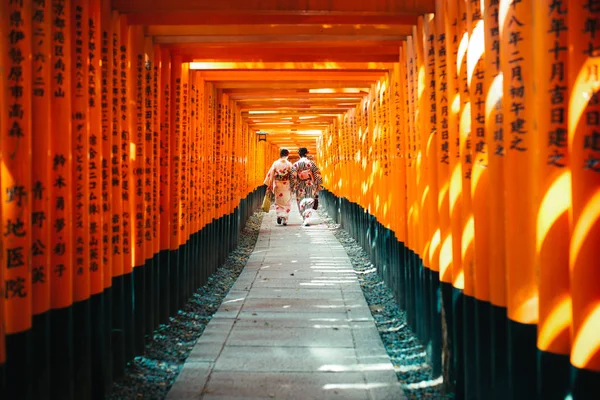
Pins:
x: 278, y: 180
x: 307, y: 183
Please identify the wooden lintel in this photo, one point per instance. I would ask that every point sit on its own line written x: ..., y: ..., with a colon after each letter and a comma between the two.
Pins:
x: 213, y: 32
x: 214, y: 76
x: 279, y: 40
x: 293, y: 85
x: 291, y: 66
x: 307, y: 58
x: 286, y: 94
x: 169, y: 17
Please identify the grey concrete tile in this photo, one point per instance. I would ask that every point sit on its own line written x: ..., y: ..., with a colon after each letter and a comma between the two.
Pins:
x: 294, y: 305
x: 383, y: 384
x: 266, y: 334
x: 294, y: 319
x: 302, y: 283
x: 190, y: 381
x: 285, y: 359
x: 300, y: 293
x: 289, y: 386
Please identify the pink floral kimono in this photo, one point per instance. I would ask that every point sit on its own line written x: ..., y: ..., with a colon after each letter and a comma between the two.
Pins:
x: 307, y: 182
x: 278, y: 180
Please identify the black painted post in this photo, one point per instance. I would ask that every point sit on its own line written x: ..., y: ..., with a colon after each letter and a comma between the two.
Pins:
x: 41, y: 356
x: 18, y: 366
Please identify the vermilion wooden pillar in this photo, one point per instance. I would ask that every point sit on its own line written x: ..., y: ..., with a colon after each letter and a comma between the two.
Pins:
x: 42, y: 184
x: 494, y: 135
x: 16, y: 187
x: 521, y: 144
x: 552, y: 220
x: 584, y: 160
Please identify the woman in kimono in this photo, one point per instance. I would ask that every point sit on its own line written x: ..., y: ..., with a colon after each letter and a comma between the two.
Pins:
x: 307, y: 183
x: 278, y: 181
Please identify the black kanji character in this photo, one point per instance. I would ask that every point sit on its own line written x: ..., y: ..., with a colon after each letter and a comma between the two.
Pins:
x: 15, y: 288
x: 38, y: 248
x: 15, y: 257
x: 38, y: 275
x: 16, y: 228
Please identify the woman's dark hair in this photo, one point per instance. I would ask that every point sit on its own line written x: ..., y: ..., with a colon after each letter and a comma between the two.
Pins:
x: 284, y: 153
x: 302, y: 151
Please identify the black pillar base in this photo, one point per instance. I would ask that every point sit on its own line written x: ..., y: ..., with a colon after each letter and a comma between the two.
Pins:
x: 41, y: 356
x: 499, y: 356
x: 483, y: 343
x: 585, y: 384
x: 447, y: 336
x: 164, y: 286
x: 18, y: 367
x: 436, y: 324
x: 82, y: 346
x: 108, y: 341
x: 128, y: 316
x: 522, y: 360
x: 61, y: 362
x: 140, y: 304
x: 469, y: 348
x: 554, y: 377
x: 97, y: 304
x: 457, y: 342
x: 118, y: 327
x: 173, y: 282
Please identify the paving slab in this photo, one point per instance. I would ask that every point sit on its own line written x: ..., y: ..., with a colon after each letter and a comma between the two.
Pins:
x: 295, y: 325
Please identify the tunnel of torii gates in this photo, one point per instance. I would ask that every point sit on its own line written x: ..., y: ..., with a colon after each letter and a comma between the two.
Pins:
x: 459, y: 143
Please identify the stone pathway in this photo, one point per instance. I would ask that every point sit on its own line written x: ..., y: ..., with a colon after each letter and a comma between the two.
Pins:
x: 294, y: 326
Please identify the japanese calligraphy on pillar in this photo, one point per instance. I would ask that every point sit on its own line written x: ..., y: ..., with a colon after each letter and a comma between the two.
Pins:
x: 192, y: 206
x: 430, y: 61
x: 95, y: 166
x: 115, y: 155
x: 61, y: 212
x: 175, y: 155
x: 492, y: 35
x: 217, y: 146
x: 138, y: 161
x: 184, y: 162
x: 442, y: 93
x: 41, y: 178
x: 15, y: 142
x: 556, y: 131
x: 590, y: 27
x: 149, y: 155
x: 125, y: 139
x: 106, y: 99
x: 386, y: 127
x: 514, y: 79
x: 477, y: 80
x: 156, y: 149
x: 80, y: 126
x: 396, y: 99
x: 165, y: 145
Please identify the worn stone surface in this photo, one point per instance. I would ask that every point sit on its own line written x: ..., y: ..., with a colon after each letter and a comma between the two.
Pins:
x: 300, y: 324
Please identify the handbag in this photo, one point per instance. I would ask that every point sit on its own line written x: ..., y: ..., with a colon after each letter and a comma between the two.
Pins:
x: 266, y: 204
